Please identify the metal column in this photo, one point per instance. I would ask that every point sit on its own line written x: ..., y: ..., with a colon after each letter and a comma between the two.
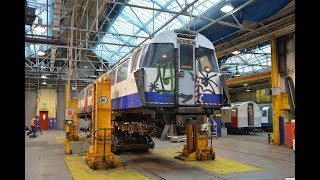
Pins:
x: 276, y: 98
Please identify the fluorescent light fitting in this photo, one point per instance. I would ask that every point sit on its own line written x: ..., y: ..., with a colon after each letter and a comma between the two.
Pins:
x: 40, y: 53
x: 39, y: 28
x: 227, y: 7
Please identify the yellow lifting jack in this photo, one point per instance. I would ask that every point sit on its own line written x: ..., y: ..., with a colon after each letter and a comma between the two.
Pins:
x: 99, y: 154
x: 197, y: 143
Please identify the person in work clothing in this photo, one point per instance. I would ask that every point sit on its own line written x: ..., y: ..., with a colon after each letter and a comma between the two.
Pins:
x: 34, y: 124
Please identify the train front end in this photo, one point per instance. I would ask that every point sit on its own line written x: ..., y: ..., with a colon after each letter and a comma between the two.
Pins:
x: 180, y: 75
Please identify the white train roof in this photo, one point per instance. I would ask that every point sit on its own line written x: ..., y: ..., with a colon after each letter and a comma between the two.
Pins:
x: 170, y: 37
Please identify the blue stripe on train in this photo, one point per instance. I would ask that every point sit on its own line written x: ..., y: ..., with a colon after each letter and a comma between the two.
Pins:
x: 266, y: 124
x: 133, y: 100
x: 159, y: 97
x: 126, y: 102
x: 211, y: 98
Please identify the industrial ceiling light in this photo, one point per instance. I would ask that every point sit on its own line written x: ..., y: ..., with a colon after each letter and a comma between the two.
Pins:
x: 44, y: 77
x: 39, y: 28
x: 247, y: 90
x: 227, y: 7
x: 40, y: 52
x: 236, y: 51
x: 44, y: 83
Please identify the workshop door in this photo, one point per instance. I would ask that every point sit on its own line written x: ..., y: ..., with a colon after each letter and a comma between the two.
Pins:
x: 43, y: 120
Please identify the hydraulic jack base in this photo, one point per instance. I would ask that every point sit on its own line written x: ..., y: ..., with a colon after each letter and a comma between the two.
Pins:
x: 200, y: 154
x: 97, y: 161
x: 197, y: 145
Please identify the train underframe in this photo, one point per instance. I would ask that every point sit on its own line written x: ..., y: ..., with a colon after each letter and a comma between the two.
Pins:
x: 134, y: 128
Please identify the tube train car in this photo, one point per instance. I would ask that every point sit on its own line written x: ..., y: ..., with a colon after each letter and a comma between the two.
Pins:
x: 169, y: 77
x: 266, y: 117
x: 241, y: 117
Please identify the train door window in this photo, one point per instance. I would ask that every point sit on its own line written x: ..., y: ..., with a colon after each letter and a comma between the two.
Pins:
x: 207, y: 60
x: 158, y: 54
x: 122, y: 72
x: 186, y: 51
x: 112, y: 76
x: 135, y: 59
x: 264, y: 113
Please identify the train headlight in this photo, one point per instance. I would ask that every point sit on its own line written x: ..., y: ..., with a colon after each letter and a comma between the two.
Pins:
x: 207, y: 69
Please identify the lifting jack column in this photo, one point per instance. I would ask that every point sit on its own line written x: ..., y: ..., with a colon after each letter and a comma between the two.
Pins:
x: 99, y: 154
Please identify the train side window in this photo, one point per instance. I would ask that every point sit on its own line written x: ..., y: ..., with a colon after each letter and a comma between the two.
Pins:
x: 89, y: 90
x: 207, y: 60
x: 122, y: 72
x: 135, y: 60
x: 158, y: 53
x: 81, y: 95
x: 264, y: 113
x: 112, y: 76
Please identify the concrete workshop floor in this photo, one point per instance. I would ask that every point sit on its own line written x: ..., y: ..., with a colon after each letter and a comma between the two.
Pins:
x: 45, y: 158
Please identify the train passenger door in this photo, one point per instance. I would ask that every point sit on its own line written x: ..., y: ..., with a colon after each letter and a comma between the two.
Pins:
x: 185, y: 78
x: 250, y: 115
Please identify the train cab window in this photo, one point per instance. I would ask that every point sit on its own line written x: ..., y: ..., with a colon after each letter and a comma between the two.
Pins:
x: 122, y: 72
x: 207, y: 60
x: 264, y: 113
x: 158, y: 53
x: 135, y: 59
x: 112, y: 77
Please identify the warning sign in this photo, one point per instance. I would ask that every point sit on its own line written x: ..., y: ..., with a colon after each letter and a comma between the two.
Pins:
x: 103, y: 99
x: 69, y: 113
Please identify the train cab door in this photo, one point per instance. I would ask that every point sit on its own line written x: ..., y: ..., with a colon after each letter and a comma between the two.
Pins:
x: 185, y: 78
x: 250, y: 115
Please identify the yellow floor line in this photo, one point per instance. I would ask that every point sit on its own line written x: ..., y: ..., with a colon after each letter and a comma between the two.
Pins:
x: 81, y: 171
x: 60, y: 139
x: 219, y: 165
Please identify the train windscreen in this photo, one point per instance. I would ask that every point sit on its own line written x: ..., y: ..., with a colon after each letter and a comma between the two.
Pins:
x: 158, y: 53
x: 207, y: 59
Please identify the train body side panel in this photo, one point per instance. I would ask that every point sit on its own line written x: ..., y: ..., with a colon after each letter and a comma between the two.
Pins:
x: 124, y: 95
x: 159, y: 86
